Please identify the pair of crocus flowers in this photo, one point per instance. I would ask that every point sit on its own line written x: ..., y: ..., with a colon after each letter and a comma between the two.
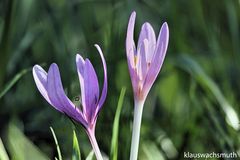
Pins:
x: 144, y: 63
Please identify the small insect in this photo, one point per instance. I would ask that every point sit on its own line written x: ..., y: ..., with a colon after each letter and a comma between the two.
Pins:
x: 77, y: 98
x: 77, y: 101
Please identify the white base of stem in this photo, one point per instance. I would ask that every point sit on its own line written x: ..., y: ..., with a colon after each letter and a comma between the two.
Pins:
x: 138, y: 109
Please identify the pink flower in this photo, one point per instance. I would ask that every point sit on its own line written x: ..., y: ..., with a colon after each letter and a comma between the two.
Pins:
x: 145, y: 61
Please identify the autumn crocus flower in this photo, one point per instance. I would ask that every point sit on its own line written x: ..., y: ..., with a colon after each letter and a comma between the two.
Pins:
x: 50, y: 86
x: 144, y: 63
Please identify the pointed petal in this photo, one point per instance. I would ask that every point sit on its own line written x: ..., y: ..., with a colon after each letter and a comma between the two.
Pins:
x: 158, y: 58
x: 105, y: 83
x: 130, y: 44
x: 40, y: 78
x: 58, y: 97
x: 80, y: 69
x: 91, y: 90
x: 131, y: 50
x: 147, y: 32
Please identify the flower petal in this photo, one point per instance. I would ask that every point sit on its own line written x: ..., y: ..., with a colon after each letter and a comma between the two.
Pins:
x: 91, y: 90
x: 158, y: 58
x: 134, y: 78
x: 147, y: 32
x: 105, y: 83
x: 40, y: 78
x: 58, y: 97
x: 142, y: 62
x: 130, y: 44
x: 80, y: 62
x: 131, y: 51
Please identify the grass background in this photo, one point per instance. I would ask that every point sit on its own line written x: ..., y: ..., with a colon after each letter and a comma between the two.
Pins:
x: 193, y: 105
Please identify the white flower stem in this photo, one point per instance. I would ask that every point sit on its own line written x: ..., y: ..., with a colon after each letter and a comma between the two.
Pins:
x: 138, y: 108
x: 95, y: 147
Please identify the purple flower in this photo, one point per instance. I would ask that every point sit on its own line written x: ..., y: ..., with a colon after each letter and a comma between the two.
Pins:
x: 145, y: 61
x: 50, y: 86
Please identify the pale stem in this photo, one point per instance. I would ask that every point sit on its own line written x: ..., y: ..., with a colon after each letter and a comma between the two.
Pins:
x: 138, y: 108
x: 95, y: 147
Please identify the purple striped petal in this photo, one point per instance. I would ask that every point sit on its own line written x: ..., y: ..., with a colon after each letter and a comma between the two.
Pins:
x: 91, y: 90
x: 58, y: 97
x: 40, y: 78
x: 158, y: 57
x: 80, y: 69
x: 105, y: 83
x: 147, y: 32
x: 130, y: 44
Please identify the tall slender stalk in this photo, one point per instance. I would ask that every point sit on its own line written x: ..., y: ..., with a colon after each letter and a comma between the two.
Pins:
x: 94, y: 143
x: 138, y: 108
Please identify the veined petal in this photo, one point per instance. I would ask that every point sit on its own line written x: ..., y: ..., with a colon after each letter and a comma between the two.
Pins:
x: 142, y: 61
x: 158, y: 57
x: 40, y: 78
x: 130, y: 44
x: 91, y: 90
x: 58, y: 97
x: 147, y: 32
x: 105, y: 83
x: 80, y: 62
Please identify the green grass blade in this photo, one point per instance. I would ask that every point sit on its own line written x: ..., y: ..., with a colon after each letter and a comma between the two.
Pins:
x: 90, y: 155
x: 114, y: 142
x: 3, y: 153
x: 149, y: 150
x: 9, y: 85
x: 187, y: 64
x: 57, y: 145
x: 76, y: 150
x: 20, y: 147
x: 225, y: 136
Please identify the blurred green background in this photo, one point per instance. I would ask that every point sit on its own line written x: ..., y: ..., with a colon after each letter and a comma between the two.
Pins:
x: 192, y: 107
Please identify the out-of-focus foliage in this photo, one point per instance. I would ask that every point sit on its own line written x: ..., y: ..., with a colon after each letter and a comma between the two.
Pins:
x: 20, y: 147
x: 193, y: 106
x: 3, y: 153
x: 13, y: 81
